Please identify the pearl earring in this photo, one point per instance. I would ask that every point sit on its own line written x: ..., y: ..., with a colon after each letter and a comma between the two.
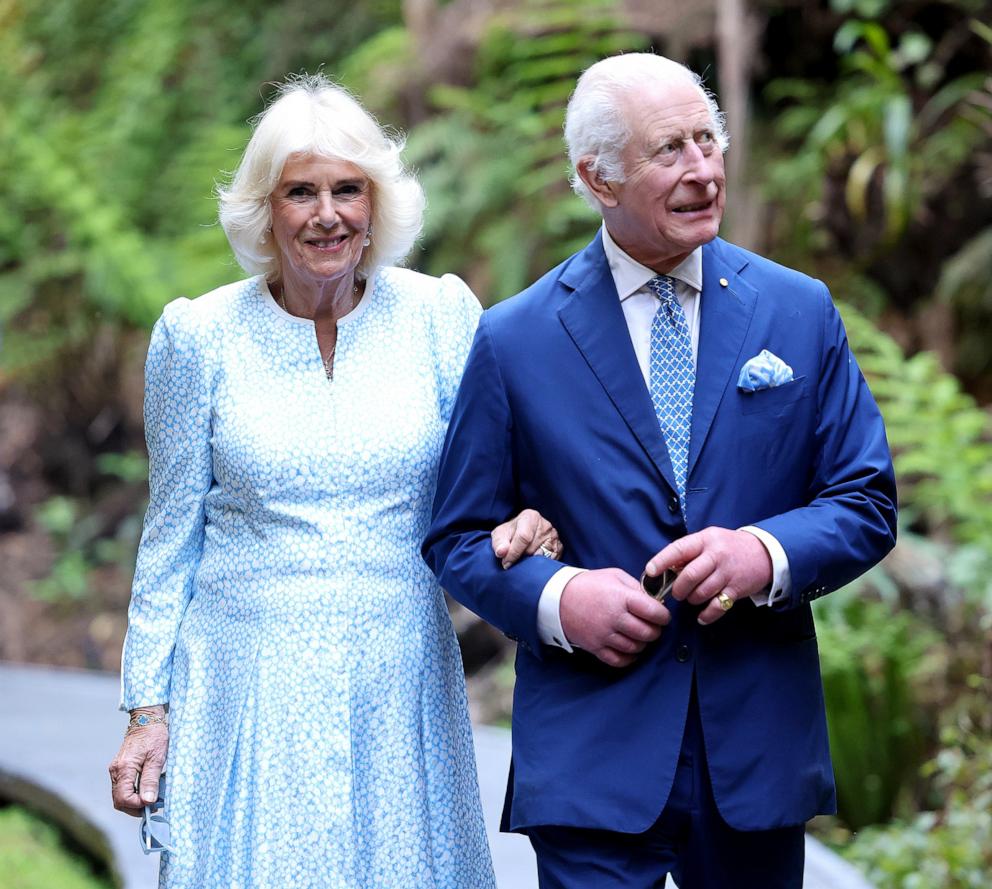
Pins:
x: 368, y: 237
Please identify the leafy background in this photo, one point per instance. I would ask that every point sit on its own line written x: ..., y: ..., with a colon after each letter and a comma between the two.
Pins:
x: 861, y: 153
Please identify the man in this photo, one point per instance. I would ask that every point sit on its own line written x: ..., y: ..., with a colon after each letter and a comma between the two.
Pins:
x: 667, y: 400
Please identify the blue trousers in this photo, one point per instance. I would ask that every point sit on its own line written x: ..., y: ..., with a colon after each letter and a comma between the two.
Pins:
x: 689, y: 840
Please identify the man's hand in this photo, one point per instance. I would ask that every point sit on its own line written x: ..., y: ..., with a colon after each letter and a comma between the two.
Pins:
x: 608, y: 614
x: 525, y: 534
x: 714, y: 561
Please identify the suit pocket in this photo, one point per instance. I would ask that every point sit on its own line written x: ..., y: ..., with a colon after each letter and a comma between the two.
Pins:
x: 789, y: 627
x: 774, y: 400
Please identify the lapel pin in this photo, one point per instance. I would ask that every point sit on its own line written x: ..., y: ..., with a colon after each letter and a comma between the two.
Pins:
x: 724, y: 282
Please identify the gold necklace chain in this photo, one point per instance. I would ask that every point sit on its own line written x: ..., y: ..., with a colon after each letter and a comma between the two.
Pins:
x: 328, y: 362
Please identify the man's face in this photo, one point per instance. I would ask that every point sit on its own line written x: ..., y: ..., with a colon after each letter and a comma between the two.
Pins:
x: 672, y: 200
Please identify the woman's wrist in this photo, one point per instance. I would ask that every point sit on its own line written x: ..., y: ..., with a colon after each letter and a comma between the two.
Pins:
x: 143, y: 717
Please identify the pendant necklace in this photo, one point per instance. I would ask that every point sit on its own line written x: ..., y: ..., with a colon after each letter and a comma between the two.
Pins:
x: 328, y: 362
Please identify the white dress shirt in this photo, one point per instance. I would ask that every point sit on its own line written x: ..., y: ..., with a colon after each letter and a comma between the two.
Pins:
x: 639, y: 305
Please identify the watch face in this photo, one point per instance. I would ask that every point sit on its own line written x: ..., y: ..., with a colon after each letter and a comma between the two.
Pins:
x: 660, y: 585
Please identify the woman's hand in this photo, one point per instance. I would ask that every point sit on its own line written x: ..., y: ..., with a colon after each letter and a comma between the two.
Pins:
x: 142, y: 752
x: 529, y: 533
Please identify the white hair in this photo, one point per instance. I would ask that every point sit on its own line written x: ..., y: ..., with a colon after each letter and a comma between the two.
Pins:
x: 313, y: 116
x: 596, y: 129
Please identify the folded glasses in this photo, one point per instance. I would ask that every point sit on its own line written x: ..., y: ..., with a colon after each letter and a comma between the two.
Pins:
x: 660, y: 585
x: 153, y: 831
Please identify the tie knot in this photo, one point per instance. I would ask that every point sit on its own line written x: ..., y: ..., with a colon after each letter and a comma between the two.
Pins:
x: 663, y: 287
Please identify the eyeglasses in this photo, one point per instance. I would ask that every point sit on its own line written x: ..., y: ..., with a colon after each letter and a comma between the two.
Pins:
x: 660, y: 585
x: 153, y: 831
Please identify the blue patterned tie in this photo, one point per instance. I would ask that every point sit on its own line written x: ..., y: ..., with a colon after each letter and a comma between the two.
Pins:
x: 672, y: 377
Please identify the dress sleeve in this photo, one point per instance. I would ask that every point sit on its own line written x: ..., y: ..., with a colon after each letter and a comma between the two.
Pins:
x: 177, y: 431
x: 456, y: 317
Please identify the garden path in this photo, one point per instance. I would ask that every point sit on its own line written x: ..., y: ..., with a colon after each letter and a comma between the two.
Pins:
x: 59, y: 729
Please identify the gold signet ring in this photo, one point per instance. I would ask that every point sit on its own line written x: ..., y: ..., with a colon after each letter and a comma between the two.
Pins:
x: 726, y: 603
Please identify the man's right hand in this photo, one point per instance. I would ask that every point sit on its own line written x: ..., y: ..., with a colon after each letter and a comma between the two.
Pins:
x: 607, y: 613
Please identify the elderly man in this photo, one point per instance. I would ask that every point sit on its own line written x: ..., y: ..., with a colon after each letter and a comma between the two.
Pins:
x: 668, y: 401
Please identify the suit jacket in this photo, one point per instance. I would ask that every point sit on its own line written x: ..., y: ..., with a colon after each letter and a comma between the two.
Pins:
x: 553, y: 414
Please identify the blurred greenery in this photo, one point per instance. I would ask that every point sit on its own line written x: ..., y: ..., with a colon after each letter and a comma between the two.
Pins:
x: 871, y: 157
x: 492, y: 154
x: 905, y: 644
x: 941, y: 440
x: 885, y: 173
x: 874, y: 664
x: 32, y: 856
x: 949, y: 845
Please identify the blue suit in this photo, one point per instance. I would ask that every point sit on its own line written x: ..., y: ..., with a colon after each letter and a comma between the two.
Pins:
x: 553, y: 414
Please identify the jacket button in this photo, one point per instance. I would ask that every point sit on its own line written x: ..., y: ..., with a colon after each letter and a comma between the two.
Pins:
x: 682, y: 654
x: 673, y: 505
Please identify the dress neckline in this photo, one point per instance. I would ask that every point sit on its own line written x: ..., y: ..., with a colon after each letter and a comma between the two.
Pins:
x: 349, y: 318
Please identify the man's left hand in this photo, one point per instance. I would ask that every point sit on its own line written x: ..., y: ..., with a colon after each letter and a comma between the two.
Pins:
x: 711, y: 562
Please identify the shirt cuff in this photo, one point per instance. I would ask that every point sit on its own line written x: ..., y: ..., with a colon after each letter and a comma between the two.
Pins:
x: 548, y: 608
x: 781, y: 585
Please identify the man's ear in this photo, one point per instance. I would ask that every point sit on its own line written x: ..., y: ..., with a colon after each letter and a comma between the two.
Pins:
x: 603, y: 190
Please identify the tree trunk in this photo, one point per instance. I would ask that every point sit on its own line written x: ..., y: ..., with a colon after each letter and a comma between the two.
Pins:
x: 737, y: 31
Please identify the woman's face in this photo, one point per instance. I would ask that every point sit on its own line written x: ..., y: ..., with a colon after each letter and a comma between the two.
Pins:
x: 321, y: 210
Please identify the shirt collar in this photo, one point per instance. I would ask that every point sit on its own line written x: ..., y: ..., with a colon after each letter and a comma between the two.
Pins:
x: 630, y: 276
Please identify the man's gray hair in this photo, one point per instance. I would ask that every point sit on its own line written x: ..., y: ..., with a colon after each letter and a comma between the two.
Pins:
x: 313, y: 116
x: 596, y: 129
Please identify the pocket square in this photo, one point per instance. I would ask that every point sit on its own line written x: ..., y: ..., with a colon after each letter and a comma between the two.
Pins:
x: 764, y: 371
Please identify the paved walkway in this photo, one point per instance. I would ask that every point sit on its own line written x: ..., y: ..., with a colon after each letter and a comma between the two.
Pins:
x: 60, y: 728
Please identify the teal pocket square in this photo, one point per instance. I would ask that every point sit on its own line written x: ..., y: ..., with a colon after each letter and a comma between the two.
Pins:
x: 764, y: 371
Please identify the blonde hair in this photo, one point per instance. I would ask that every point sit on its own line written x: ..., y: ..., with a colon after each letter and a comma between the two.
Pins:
x: 313, y: 116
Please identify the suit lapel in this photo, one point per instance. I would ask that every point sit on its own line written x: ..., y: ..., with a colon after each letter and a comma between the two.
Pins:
x: 725, y: 316
x: 594, y: 320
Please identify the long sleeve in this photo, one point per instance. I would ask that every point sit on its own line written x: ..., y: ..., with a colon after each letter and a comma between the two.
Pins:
x: 454, y: 322
x: 476, y: 492
x: 850, y: 520
x: 177, y: 431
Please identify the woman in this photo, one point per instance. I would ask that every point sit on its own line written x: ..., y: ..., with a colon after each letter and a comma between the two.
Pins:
x: 318, y: 721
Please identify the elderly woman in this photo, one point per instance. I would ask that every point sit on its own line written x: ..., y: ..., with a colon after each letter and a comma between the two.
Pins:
x: 318, y: 733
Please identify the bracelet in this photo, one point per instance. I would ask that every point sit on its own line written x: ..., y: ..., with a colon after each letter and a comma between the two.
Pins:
x: 140, y: 720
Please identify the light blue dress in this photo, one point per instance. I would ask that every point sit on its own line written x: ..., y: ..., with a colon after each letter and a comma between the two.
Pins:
x: 319, y: 729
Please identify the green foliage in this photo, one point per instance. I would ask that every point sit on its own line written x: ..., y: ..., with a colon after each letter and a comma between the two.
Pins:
x: 882, y: 176
x: 966, y: 283
x: 941, y: 440
x: 68, y: 579
x: 81, y: 538
x: 950, y: 847
x: 879, y: 661
x: 895, y: 129
x: 129, y: 467
x: 491, y: 156
x: 875, y: 664
x: 378, y: 70
x: 118, y: 117
x: 70, y: 182
x: 32, y: 856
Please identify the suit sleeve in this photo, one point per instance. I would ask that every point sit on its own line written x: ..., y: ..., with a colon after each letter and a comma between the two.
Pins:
x: 476, y: 490
x: 849, y: 523
x: 177, y: 430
